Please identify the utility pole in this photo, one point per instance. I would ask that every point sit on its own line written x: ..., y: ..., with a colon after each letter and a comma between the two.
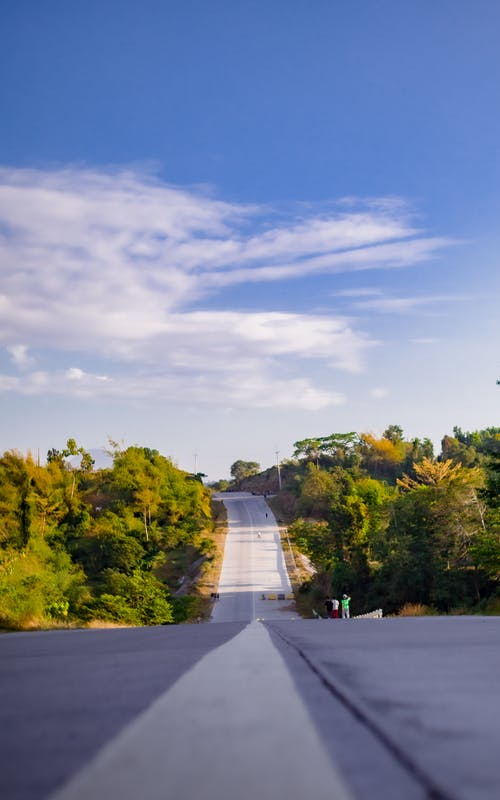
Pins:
x: 196, y: 463
x: 279, y: 470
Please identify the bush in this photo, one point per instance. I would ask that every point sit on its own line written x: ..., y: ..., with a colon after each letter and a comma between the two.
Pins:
x: 142, y: 594
x: 416, y: 610
x: 187, y: 607
x: 113, y: 608
x: 37, y: 585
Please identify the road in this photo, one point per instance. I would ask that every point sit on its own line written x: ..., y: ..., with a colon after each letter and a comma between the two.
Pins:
x: 391, y: 709
x: 254, y: 564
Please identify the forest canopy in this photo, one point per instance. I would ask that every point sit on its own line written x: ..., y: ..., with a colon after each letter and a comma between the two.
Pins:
x: 385, y: 520
x: 81, y: 545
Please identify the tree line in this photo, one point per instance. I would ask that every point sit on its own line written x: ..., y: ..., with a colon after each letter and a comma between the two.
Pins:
x: 391, y: 524
x: 78, y: 544
x: 381, y: 518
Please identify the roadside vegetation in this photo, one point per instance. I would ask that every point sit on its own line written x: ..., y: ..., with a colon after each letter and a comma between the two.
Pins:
x: 141, y: 543
x: 118, y: 546
x: 391, y: 524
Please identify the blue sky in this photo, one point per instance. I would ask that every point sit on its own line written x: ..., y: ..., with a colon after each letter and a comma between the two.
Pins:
x: 228, y: 226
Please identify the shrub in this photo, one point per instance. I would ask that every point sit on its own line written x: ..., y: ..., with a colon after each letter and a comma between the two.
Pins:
x: 416, y: 610
x: 143, y: 594
x: 37, y: 585
x: 113, y: 608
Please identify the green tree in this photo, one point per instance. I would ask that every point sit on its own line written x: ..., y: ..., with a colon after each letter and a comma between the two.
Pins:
x: 108, y: 545
x: 317, y: 492
x: 394, y: 434
x: 485, y: 550
x: 340, y: 449
x: 315, y: 540
x: 435, y: 522
x: 140, y: 592
x: 310, y: 449
x: 16, y: 498
x: 244, y: 469
x: 38, y: 584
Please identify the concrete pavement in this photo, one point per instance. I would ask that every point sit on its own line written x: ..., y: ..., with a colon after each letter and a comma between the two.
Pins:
x: 232, y: 727
x: 254, y: 564
x: 403, y: 709
x: 426, y: 689
x: 65, y: 694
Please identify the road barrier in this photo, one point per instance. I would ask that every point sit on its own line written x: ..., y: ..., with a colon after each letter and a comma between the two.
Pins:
x: 279, y: 596
x: 377, y: 614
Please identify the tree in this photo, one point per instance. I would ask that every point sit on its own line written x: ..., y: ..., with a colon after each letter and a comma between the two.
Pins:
x: 137, y: 472
x: 314, y: 538
x: 72, y: 450
x: 244, y: 469
x: 317, y: 492
x: 382, y: 457
x: 431, y: 473
x: 394, y: 434
x: 16, y: 498
x: 37, y: 584
x: 485, y: 549
x: 435, y: 523
x: 339, y: 448
x: 138, y: 598
x: 108, y: 545
x: 57, y: 520
x: 310, y: 449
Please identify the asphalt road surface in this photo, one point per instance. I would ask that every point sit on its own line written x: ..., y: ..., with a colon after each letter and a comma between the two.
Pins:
x: 391, y: 709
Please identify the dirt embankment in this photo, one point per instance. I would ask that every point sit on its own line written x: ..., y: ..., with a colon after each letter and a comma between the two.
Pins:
x: 207, y: 580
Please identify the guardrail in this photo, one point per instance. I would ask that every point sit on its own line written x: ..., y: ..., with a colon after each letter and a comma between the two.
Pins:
x: 377, y: 614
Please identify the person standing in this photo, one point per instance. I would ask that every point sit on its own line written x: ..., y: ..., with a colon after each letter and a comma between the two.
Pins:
x: 345, y: 606
x: 335, y: 610
x: 329, y: 607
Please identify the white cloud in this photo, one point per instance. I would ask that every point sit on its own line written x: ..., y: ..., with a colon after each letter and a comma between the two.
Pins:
x: 75, y: 374
x: 379, y: 393
x: 19, y: 354
x: 114, y: 267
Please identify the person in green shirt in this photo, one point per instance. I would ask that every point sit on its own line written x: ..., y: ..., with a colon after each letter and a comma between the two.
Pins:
x: 345, y: 606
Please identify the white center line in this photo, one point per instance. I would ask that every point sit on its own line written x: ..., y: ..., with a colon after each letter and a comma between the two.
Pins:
x: 232, y: 727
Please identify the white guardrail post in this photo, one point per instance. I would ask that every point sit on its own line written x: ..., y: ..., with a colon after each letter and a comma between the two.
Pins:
x: 377, y: 614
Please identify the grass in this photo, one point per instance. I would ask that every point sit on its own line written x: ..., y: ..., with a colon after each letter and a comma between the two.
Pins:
x: 492, y: 608
x: 102, y: 623
x: 416, y: 610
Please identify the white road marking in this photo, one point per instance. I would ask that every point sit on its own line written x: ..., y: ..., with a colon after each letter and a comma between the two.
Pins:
x: 232, y: 727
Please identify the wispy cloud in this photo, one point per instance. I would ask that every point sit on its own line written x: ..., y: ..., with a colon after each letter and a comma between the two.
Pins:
x: 402, y: 305
x: 114, y: 267
x: 361, y: 292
